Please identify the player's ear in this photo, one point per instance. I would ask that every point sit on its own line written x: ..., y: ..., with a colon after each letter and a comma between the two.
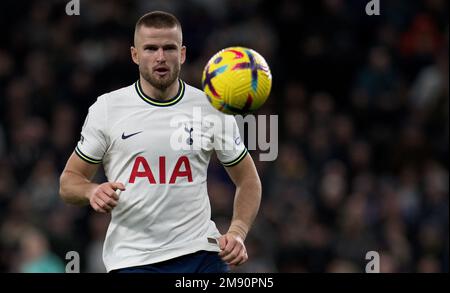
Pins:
x: 183, y: 54
x: 134, y: 55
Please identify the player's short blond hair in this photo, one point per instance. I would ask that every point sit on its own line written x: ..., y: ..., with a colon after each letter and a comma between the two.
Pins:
x: 158, y: 19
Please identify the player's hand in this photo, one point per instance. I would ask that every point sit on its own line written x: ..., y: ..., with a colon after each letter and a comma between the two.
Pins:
x: 104, y: 198
x: 233, y: 250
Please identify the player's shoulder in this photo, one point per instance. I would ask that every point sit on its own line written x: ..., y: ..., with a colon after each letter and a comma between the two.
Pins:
x: 198, y: 98
x: 114, y: 96
x: 194, y: 92
x: 119, y: 94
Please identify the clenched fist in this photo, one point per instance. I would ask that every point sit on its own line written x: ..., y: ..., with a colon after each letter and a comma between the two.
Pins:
x: 104, y: 198
x: 233, y: 250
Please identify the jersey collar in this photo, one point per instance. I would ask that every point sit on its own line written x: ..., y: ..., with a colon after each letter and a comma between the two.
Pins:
x: 155, y: 102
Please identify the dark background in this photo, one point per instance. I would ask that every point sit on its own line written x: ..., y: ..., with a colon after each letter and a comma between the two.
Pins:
x: 364, y: 130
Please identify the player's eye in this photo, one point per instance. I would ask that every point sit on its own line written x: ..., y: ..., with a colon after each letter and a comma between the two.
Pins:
x: 170, y: 48
x: 151, y: 48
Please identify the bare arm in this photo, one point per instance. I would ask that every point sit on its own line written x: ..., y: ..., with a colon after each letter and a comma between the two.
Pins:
x: 248, y: 196
x: 75, y: 181
x: 77, y: 188
x: 246, y: 205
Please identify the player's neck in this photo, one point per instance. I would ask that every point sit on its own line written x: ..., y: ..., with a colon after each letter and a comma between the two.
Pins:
x: 158, y: 94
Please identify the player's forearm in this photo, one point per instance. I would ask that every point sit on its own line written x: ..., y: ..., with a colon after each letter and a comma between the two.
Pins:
x: 246, y: 206
x: 74, y: 188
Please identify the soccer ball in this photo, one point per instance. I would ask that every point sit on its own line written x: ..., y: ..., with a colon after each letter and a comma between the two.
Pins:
x: 237, y: 80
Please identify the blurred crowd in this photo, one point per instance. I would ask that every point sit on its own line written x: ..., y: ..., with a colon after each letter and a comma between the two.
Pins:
x: 363, y: 105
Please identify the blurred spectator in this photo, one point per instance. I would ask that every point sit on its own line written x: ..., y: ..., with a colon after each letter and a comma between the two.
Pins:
x: 35, y: 254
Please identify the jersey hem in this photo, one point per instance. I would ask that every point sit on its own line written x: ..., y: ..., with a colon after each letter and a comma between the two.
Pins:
x: 86, y: 158
x: 237, y: 160
x: 169, y: 254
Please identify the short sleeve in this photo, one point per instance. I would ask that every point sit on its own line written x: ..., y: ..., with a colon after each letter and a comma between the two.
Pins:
x: 229, y: 147
x: 93, y: 141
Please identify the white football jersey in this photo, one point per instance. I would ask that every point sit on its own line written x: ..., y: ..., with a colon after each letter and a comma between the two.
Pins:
x: 160, y: 151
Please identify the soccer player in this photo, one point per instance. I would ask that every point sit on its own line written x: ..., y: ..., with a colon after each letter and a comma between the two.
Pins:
x: 156, y: 193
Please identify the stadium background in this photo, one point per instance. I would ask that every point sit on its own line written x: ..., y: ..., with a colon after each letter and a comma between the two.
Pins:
x: 364, y: 130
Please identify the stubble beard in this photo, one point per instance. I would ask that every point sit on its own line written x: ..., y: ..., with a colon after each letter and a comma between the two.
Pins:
x: 161, y: 83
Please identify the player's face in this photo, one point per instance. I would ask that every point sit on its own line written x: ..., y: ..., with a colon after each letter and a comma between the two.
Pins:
x: 159, y: 54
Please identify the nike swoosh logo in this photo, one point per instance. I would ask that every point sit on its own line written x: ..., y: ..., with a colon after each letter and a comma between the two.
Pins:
x: 129, y: 135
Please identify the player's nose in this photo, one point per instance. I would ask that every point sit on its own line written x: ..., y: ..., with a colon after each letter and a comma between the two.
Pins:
x: 160, y: 55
